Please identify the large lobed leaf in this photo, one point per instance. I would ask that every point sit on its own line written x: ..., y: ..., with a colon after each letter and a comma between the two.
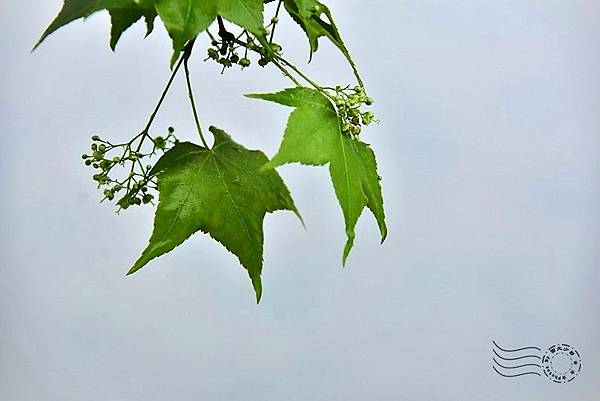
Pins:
x: 183, y: 19
x: 313, y: 137
x: 122, y: 11
x: 219, y: 191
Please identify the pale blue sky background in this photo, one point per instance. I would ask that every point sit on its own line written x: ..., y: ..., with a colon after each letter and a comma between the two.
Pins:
x: 489, y: 151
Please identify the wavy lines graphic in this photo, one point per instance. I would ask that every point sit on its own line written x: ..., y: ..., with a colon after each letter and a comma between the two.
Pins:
x: 515, y: 362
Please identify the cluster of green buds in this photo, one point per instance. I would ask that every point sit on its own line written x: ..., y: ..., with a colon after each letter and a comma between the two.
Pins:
x: 134, y: 184
x: 226, y: 53
x: 349, y: 102
x: 228, y: 58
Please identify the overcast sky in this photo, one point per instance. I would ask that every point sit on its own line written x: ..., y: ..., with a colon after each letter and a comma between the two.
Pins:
x: 488, y: 148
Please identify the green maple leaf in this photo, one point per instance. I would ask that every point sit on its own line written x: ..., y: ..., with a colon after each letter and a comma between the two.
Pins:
x: 124, y: 13
x: 219, y: 191
x: 308, y: 14
x: 123, y: 18
x: 185, y: 19
x: 313, y: 136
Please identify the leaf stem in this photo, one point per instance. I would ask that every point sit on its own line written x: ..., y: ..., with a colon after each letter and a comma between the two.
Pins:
x: 286, y: 73
x: 186, y: 57
x: 304, y: 76
x: 297, y: 71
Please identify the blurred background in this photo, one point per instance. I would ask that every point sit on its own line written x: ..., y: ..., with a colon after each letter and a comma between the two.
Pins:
x: 488, y: 147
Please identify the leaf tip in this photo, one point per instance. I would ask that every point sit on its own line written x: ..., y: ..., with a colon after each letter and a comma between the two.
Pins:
x: 297, y: 213
x: 257, y: 285
x: 348, y: 248
x: 384, y: 234
x: 252, y: 95
x: 136, y: 266
x: 40, y: 40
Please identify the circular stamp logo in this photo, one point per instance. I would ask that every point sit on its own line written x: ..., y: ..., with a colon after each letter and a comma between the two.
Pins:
x: 561, y: 363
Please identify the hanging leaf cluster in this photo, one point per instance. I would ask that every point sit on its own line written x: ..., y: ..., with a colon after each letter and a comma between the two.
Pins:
x: 225, y: 190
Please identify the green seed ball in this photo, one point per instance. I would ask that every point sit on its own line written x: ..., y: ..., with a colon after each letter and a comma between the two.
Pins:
x: 94, y: 146
x: 123, y: 203
x: 95, y: 138
x: 367, y: 117
x: 274, y: 20
x: 213, y: 54
x: 84, y: 156
x: 234, y: 58
x: 88, y: 162
x: 102, y: 148
x: 225, y: 62
x: 245, y: 62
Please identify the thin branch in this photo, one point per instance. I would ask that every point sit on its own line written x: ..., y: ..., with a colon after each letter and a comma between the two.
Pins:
x: 275, y: 23
x: 164, y: 94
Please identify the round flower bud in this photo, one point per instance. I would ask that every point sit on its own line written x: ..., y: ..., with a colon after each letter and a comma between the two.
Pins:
x: 213, y: 54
